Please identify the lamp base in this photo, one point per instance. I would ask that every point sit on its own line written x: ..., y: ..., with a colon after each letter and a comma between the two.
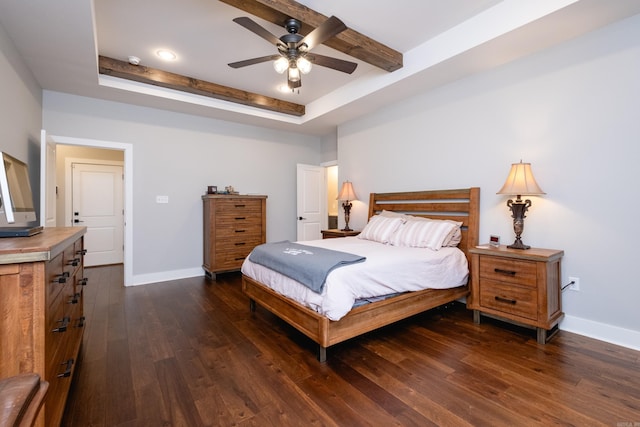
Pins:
x: 518, y: 209
x: 518, y: 245
x: 346, y: 229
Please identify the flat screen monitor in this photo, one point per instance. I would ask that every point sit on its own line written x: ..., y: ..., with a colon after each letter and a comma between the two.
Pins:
x: 16, y: 200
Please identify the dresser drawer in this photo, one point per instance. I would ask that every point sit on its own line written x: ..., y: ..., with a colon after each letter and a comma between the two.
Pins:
x: 238, y: 207
x: 238, y: 228
x: 506, y: 298
x: 508, y: 270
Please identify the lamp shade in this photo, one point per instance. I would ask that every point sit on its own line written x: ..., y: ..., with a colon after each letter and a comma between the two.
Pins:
x: 520, y: 181
x: 347, y: 192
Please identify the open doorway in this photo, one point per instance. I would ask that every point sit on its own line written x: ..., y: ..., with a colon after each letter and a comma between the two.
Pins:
x: 332, y: 195
x: 82, y: 148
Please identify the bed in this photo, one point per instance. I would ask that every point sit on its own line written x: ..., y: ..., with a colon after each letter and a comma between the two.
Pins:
x: 461, y: 205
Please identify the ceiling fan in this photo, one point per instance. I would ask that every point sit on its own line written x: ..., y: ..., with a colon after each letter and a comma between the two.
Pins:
x: 293, y: 49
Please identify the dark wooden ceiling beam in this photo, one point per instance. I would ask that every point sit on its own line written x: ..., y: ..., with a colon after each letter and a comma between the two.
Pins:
x: 153, y: 76
x: 349, y: 41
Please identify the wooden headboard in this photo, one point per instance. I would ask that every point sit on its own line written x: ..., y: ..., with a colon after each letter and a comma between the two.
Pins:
x: 458, y: 205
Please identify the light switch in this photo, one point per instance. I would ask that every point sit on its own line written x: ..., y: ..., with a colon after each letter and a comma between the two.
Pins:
x: 162, y: 199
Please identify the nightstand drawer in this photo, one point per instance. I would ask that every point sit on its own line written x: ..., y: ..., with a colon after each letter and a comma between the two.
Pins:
x: 506, y: 298
x: 508, y: 270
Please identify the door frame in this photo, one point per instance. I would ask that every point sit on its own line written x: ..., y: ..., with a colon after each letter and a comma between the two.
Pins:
x: 128, y: 191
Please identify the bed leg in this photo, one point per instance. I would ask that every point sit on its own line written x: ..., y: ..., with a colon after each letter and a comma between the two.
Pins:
x: 322, y: 354
x: 252, y: 305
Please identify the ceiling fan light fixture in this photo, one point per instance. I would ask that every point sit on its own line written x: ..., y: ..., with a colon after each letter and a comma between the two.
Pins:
x: 280, y: 65
x: 294, y: 74
x: 304, y: 65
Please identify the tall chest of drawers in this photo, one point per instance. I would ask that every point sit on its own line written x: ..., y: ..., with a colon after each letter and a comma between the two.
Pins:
x: 41, y: 310
x: 233, y: 226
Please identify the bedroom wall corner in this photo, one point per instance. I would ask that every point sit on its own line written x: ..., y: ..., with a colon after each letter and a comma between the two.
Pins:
x: 570, y: 111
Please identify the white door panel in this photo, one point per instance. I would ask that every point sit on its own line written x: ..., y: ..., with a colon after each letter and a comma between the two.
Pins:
x: 311, y: 202
x: 97, y: 204
x: 47, y: 180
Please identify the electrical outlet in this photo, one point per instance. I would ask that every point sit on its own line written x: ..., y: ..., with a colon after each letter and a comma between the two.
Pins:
x: 576, y: 284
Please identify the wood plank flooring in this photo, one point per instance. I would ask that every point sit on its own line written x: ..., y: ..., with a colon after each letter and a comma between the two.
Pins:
x: 189, y: 353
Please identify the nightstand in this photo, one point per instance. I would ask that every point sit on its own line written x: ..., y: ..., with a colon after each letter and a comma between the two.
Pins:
x: 334, y: 232
x: 520, y: 286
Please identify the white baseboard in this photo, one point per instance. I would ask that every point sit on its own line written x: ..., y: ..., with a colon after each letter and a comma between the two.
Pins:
x: 144, y: 279
x: 601, y: 331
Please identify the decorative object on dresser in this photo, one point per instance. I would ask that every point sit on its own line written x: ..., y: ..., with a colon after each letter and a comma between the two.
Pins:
x: 233, y: 226
x: 333, y: 233
x: 41, y: 304
x: 518, y: 286
x: 520, y: 182
x: 348, y: 195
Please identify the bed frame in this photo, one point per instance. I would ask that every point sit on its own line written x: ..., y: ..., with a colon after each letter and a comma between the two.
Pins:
x: 459, y: 205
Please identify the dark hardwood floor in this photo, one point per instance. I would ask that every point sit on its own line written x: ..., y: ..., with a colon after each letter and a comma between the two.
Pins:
x: 189, y: 353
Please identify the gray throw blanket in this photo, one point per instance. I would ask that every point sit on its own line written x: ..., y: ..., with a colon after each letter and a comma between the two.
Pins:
x: 308, y: 265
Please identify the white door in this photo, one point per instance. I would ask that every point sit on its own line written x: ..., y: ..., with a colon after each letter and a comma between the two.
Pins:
x: 97, y: 204
x: 311, y: 202
x: 47, y: 180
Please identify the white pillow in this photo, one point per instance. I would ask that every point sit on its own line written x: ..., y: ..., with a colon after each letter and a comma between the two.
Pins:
x: 452, y: 239
x: 423, y: 234
x: 380, y: 229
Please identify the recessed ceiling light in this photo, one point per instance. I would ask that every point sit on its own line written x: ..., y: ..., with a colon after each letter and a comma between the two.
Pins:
x: 166, y: 54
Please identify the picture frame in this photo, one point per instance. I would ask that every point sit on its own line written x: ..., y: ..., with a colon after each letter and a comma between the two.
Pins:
x: 212, y: 189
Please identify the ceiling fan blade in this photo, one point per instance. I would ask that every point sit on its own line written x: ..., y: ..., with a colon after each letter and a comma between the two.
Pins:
x: 255, y: 28
x: 253, y: 61
x: 329, y: 62
x: 324, y: 32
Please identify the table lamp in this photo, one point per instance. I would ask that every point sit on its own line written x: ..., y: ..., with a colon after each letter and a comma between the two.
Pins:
x: 520, y: 182
x: 347, y: 194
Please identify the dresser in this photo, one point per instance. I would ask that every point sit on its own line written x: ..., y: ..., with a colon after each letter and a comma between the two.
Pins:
x: 233, y: 226
x: 521, y: 286
x: 41, y: 310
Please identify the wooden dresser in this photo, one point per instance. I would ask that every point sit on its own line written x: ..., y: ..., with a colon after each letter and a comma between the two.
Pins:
x: 41, y: 310
x: 521, y: 286
x: 233, y: 226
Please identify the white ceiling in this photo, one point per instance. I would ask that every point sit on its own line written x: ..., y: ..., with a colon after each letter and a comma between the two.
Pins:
x: 441, y: 40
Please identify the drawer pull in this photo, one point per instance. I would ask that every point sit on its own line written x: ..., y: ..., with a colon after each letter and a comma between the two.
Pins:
x: 240, y: 244
x: 67, y: 370
x: 240, y: 218
x: 74, y: 262
x: 83, y: 281
x: 240, y: 231
x: 506, y: 272
x: 64, y: 322
x: 240, y: 206
x: 74, y: 298
x: 61, y: 278
x: 81, y: 252
x: 240, y: 258
x: 507, y: 300
x: 81, y: 320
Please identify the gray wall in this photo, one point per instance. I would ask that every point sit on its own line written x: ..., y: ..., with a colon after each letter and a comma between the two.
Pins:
x: 178, y: 155
x: 573, y: 112
x: 20, y: 111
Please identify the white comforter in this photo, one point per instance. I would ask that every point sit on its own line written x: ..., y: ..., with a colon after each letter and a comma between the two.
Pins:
x: 388, y: 269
